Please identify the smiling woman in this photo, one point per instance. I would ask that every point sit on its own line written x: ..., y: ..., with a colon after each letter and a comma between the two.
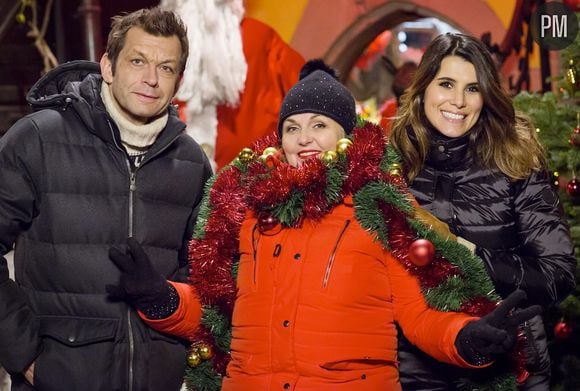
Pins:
x: 315, y: 114
x: 311, y: 260
x: 452, y: 99
x: 307, y: 135
x: 475, y: 164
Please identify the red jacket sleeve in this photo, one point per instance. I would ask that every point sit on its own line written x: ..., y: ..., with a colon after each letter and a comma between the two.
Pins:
x: 186, y: 318
x: 432, y: 331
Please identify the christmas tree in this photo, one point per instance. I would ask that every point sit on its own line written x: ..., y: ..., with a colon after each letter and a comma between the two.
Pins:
x: 556, y: 116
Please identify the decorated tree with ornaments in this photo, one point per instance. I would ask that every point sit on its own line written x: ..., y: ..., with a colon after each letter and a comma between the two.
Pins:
x: 556, y: 116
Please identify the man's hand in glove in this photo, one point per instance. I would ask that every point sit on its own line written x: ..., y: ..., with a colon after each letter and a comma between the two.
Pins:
x: 434, y: 223
x: 496, y: 333
x: 140, y: 284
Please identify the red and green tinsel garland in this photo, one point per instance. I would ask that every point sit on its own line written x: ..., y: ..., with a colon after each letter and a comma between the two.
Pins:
x: 366, y: 167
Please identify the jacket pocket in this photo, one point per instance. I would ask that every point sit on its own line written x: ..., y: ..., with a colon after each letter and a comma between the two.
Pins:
x: 357, y: 364
x: 166, y: 360
x: 247, y: 273
x: 77, y: 331
x: 332, y: 256
x: 247, y: 277
x: 158, y: 336
x: 75, y: 353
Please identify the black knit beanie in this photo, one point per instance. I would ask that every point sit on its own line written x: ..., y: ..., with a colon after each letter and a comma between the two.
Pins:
x: 319, y: 91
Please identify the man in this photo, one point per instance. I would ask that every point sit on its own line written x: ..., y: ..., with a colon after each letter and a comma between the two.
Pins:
x: 103, y: 157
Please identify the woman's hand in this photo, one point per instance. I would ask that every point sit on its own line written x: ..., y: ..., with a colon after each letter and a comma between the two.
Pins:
x: 496, y: 333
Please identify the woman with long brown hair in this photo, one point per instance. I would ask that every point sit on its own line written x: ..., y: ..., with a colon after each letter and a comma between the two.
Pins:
x: 476, y: 165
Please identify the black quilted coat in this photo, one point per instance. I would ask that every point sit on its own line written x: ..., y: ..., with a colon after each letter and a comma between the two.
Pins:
x: 67, y: 195
x: 520, y: 234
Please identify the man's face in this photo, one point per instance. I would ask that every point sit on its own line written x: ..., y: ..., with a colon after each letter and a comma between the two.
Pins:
x: 146, y: 74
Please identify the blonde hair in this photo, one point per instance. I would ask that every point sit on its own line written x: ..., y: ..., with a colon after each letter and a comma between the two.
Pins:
x: 501, y: 139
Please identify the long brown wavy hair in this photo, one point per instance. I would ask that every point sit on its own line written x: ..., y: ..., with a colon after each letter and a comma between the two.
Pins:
x: 501, y: 138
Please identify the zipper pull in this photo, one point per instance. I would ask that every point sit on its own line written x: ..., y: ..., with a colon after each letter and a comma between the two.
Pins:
x: 132, y: 186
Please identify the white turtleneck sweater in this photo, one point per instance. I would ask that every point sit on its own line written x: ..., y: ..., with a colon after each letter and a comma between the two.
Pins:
x: 135, y: 138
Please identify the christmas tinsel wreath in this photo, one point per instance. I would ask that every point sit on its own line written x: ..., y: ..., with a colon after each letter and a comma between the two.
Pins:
x: 364, y: 166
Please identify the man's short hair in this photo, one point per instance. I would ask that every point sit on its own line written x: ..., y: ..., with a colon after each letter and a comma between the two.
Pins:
x: 154, y: 21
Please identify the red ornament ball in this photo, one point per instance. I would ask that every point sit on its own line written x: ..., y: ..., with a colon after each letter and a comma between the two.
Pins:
x: 421, y: 252
x: 562, y: 330
x: 267, y: 222
x: 573, y: 188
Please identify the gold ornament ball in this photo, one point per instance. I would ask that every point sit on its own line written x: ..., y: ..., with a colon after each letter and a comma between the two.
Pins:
x: 342, y: 145
x: 246, y: 155
x: 395, y: 169
x: 193, y: 359
x: 329, y: 157
x: 205, y: 352
x: 20, y: 18
x: 268, y: 152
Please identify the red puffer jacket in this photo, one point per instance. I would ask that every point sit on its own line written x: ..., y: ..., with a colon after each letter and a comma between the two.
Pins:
x: 316, y: 307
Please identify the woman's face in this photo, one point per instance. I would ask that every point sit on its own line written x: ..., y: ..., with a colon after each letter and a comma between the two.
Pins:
x: 307, y: 135
x: 452, y: 101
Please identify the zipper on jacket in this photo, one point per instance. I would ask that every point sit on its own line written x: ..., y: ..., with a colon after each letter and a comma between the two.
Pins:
x: 132, y: 174
x: 333, y: 254
x: 255, y: 251
x: 131, y: 348
x: 132, y: 188
x: 149, y: 155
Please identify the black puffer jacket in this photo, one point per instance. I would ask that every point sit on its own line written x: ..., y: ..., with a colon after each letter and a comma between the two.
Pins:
x: 520, y: 234
x: 67, y: 195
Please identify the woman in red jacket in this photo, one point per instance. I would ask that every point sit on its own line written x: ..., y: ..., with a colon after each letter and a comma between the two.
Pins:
x: 318, y: 228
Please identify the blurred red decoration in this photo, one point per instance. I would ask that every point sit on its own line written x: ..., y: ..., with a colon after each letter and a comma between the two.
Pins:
x: 575, y: 137
x: 523, y: 376
x: 562, y: 330
x: 421, y: 252
x: 374, y: 51
x: 573, y: 4
x: 573, y: 188
x: 181, y: 109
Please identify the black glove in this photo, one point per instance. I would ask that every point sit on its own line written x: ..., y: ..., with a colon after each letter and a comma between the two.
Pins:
x: 140, y: 284
x: 496, y: 333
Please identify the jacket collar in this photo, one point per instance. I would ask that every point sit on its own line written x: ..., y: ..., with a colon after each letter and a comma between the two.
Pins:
x: 446, y: 153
